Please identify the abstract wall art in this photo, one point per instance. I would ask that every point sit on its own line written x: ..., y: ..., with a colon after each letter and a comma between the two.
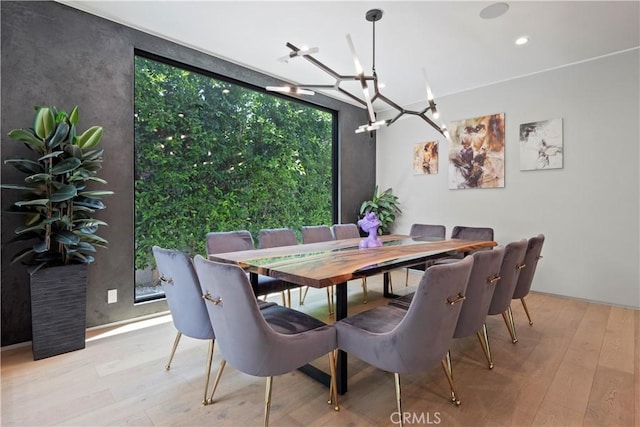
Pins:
x: 476, y: 153
x: 541, y: 145
x: 425, y: 158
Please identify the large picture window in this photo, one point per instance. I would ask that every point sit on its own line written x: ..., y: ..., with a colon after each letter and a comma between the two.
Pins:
x: 214, y: 155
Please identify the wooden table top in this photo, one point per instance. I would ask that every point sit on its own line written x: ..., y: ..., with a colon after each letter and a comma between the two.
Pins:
x: 338, y: 261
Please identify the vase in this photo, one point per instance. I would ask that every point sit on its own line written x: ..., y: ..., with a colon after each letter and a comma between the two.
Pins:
x: 58, y: 310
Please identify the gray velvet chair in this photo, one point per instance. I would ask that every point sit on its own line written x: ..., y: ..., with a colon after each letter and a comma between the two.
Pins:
x: 468, y: 233
x: 482, y: 282
x: 408, y: 341
x: 241, y: 240
x: 274, y: 238
x: 345, y: 231
x: 184, y: 297
x: 315, y: 234
x: 425, y: 232
x: 263, y: 343
x: 531, y: 258
x: 484, y: 279
x: 512, y: 263
x: 472, y: 233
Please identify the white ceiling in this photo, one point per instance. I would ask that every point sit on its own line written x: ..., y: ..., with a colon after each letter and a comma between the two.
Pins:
x: 458, y: 49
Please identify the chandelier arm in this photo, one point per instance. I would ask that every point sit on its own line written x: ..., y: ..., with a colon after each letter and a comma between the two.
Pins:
x: 433, y: 124
x: 352, y: 96
x: 389, y: 102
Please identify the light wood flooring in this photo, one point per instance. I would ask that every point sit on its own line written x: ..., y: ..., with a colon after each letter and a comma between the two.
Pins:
x: 578, y: 365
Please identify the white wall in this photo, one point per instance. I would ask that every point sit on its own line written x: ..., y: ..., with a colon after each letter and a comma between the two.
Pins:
x: 588, y: 211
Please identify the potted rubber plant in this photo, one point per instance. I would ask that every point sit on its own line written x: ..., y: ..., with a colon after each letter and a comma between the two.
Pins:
x: 386, y: 207
x: 59, y: 226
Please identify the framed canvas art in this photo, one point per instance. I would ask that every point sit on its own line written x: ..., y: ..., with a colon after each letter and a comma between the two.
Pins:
x: 425, y: 158
x: 541, y: 145
x: 476, y: 153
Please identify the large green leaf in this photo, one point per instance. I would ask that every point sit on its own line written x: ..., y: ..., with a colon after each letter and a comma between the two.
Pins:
x: 52, y: 154
x: 44, y: 123
x: 74, y: 116
x: 89, y: 202
x: 27, y: 229
x: 67, y: 165
x: 61, y: 132
x: 66, y: 237
x: 89, y: 138
x: 28, y: 138
x: 95, y: 193
x: 22, y: 254
x: 17, y: 187
x: 37, y: 202
x: 38, y: 178
x: 93, y: 154
x: 73, y: 151
x: 25, y: 165
x: 64, y: 192
x: 92, y: 165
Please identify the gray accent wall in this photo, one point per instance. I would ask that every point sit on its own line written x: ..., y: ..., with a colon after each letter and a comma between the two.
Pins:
x: 56, y: 55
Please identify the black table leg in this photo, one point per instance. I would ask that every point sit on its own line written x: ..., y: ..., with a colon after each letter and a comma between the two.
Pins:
x: 385, y: 287
x: 341, y: 313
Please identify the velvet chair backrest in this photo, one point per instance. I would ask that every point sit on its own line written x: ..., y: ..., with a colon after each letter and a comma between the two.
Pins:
x: 229, y: 241
x: 244, y: 337
x: 472, y: 233
x: 424, y: 335
x: 345, y: 231
x: 509, y: 271
x: 276, y: 237
x: 316, y: 233
x: 182, y: 290
x: 482, y: 283
x: 427, y: 231
x: 534, y: 248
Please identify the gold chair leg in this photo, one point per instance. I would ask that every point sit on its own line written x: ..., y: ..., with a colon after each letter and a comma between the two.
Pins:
x: 446, y: 365
x: 390, y: 283
x: 483, y: 337
x: 365, y: 297
x: 267, y: 401
x: 207, y: 372
x: 173, y: 350
x: 303, y: 295
x: 526, y: 310
x: 223, y: 363
x: 508, y: 320
x: 406, y: 278
x: 284, y: 298
x: 333, y: 388
x: 330, y: 300
x: 398, y: 400
x: 289, y: 298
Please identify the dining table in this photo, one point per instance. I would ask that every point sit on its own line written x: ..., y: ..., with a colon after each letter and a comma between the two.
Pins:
x: 337, y: 262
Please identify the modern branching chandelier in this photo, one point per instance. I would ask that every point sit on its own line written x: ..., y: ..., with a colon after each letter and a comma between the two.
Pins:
x: 369, y: 83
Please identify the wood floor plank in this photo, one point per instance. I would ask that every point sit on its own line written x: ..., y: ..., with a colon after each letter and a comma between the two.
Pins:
x: 611, y: 399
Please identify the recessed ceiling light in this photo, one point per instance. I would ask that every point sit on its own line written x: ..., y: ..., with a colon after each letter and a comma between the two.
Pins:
x: 494, y: 10
x: 522, y: 40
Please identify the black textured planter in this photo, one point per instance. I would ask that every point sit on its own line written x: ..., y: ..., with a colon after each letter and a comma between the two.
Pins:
x: 58, y: 310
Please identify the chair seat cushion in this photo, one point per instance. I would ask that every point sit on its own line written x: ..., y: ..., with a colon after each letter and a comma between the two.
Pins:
x: 265, y: 304
x: 270, y: 285
x: 289, y: 321
x: 377, y: 320
x: 402, y: 302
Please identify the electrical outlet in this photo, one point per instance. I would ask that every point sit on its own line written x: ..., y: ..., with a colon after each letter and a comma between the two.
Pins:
x: 112, y: 296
